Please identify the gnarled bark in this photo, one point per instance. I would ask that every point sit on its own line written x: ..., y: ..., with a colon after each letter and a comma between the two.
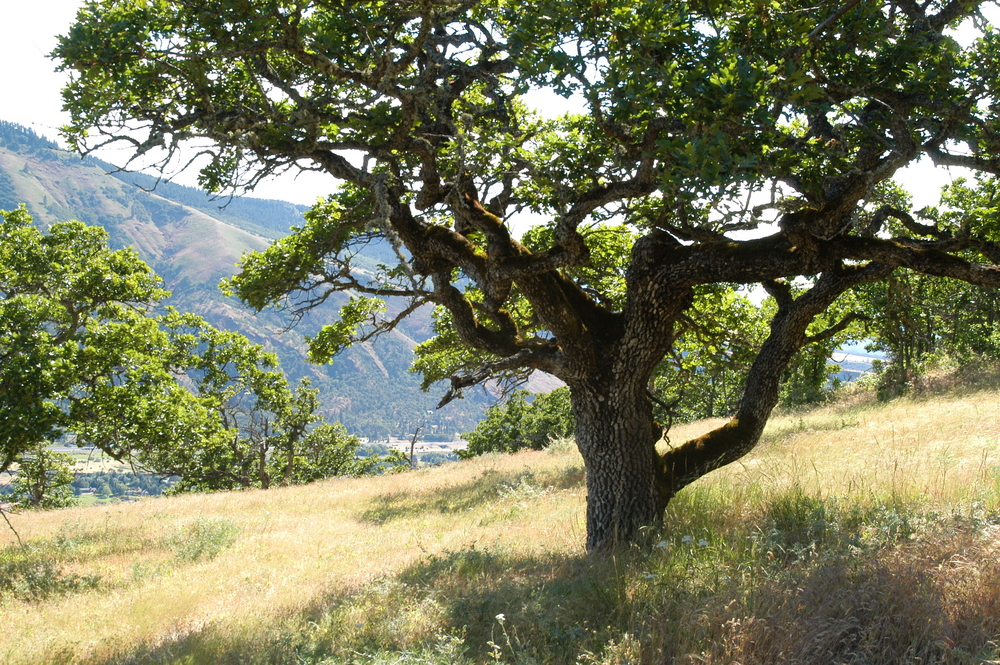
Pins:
x: 617, y: 436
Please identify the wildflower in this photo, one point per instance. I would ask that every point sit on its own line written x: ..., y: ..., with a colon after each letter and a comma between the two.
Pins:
x: 661, y: 545
x: 687, y: 539
x: 501, y: 618
x: 702, y: 543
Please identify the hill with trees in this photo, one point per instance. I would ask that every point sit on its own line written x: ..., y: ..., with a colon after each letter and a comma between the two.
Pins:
x: 182, y: 233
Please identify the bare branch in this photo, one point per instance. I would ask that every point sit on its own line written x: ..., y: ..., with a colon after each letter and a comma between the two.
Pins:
x: 522, y: 359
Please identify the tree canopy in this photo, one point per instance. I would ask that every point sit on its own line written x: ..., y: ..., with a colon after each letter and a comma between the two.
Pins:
x: 84, y: 354
x: 701, y: 120
x: 73, y: 326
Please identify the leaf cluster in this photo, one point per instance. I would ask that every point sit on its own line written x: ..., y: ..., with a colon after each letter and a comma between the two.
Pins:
x: 84, y: 354
x: 522, y: 421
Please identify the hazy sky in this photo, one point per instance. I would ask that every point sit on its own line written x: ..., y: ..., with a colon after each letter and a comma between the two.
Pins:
x: 28, y: 80
x: 31, y: 87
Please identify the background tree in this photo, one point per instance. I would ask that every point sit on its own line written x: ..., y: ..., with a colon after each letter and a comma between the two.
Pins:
x: 915, y: 317
x: 262, y: 433
x: 701, y: 119
x: 83, y: 353
x: 329, y: 450
x: 73, y: 326
x: 517, y: 424
x: 44, y: 479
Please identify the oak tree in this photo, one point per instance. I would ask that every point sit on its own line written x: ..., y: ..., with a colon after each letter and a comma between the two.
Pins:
x: 83, y: 353
x: 700, y: 120
x: 75, y: 332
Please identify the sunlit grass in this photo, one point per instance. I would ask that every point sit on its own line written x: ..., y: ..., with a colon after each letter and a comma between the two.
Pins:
x: 860, y: 533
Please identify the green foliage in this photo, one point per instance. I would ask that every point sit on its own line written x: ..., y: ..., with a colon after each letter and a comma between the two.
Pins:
x: 518, y: 424
x: 172, y: 393
x: 715, y: 348
x: 63, y: 187
x: 33, y: 574
x: 806, y: 380
x: 205, y: 538
x: 258, y: 432
x: 73, y: 329
x: 329, y: 450
x: 692, y: 113
x: 335, y: 337
x: 44, y: 479
x: 120, y: 484
x: 916, y: 317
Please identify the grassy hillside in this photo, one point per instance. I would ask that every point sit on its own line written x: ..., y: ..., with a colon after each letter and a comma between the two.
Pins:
x: 856, y: 533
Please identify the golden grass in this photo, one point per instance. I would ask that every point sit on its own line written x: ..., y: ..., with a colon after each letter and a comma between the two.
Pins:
x: 945, y: 449
x: 858, y: 533
x: 296, y: 546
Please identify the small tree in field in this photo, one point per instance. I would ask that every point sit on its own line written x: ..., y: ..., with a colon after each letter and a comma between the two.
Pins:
x: 44, y: 479
x: 701, y: 120
x: 81, y: 352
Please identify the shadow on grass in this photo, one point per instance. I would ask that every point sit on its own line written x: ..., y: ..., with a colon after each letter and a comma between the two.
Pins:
x: 798, y: 581
x: 491, y: 486
x: 914, y: 602
x: 37, y: 570
x: 468, y: 606
x: 958, y: 382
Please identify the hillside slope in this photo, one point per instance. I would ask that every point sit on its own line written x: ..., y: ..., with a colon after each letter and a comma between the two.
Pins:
x: 192, y: 245
x: 858, y: 533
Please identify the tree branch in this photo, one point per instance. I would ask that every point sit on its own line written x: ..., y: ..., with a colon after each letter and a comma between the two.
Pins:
x: 837, y: 328
x: 926, y: 261
x: 3, y: 514
x: 522, y: 359
x: 693, y: 459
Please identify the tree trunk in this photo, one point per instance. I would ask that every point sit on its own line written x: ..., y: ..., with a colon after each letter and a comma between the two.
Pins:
x: 628, y: 482
x: 617, y: 436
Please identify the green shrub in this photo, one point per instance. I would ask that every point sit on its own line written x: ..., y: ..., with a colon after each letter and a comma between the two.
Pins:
x: 205, y: 538
x: 518, y: 423
x: 31, y: 574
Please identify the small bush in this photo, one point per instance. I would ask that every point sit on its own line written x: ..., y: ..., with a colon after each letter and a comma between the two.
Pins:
x: 30, y: 574
x: 518, y: 423
x: 205, y: 538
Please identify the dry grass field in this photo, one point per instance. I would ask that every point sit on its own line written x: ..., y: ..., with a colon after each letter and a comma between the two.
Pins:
x: 856, y: 533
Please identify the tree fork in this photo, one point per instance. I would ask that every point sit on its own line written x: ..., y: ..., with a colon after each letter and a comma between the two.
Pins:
x: 683, y: 465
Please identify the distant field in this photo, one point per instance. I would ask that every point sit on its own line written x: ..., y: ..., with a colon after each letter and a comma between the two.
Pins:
x: 856, y: 533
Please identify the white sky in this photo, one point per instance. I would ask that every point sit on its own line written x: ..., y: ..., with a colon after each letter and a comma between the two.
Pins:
x: 31, y: 97
x: 31, y: 87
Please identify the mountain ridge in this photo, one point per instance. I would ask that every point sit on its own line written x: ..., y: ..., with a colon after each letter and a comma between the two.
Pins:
x: 368, y: 387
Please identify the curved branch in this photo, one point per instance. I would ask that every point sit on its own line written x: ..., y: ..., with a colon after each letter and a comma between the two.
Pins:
x: 911, y: 225
x: 526, y: 358
x: 926, y: 261
x: 682, y: 465
x: 941, y: 158
x: 498, y: 342
x: 837, y: 328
